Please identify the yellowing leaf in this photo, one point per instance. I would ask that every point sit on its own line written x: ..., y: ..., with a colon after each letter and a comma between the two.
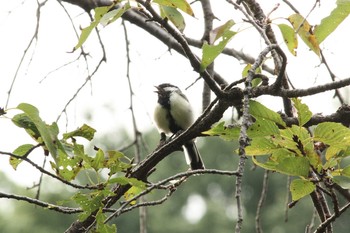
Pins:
x: 300, y: 188
x: 260, y: 146
x: 174, y: 16
x: 84, y: 131
x: 331, y: 22
x: 304, y: 30
x: 226, y: 133
x: 20, y: 151
x: 304, y: 113
x: 180, y: 4
x: 115, y: 14
x: 131, y: 193
x: 218, y: 32
x: 289, y: 38
x: 332, y: 134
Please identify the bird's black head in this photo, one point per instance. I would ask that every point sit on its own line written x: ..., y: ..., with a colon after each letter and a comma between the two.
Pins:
x: 164, y: 90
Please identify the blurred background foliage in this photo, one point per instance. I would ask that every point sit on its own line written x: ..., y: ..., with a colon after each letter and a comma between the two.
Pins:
x: 203, y: 203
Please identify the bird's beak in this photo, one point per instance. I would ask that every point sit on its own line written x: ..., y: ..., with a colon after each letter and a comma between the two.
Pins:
x: 159, y: 89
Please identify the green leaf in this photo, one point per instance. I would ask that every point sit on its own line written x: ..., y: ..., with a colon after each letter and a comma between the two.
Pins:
x: 295, y: 139
x: 85, y: 32
x: 119, y: 180
x: 220, y: 31
x: 23, y: 121
x: 180, y: 4
x: 104, y: 16
x: 97, y: 162
x: 256, y: 81
x: 84, y: 131
x: 20, y: 151
x: 289, y: 38
x: 332, y: 134
x: 115, y: 14
x: 284, y: 161
x: 346, y: 171
x: 294, y: 166
x: 90, y: 202
x: 331, y: 22
x: 268, y: 165
x: 262, y: 127
x: 260, y: 111
x: 114, y: 163
x: 101, y: 226
x: 137, y: 183
x: 174, y: 16
x: 211, y: 51
x: 304, y: 30
x: 270, y: 162
x: 261, y: 146
x: 226, y: 133
x: 304, y: 113
x: 67, y: 167
x: 300, y: 188
x: 343, y: 181
x: 47, y: 133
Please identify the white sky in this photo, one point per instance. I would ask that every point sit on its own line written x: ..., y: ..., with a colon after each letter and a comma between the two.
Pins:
x: 107, y: 96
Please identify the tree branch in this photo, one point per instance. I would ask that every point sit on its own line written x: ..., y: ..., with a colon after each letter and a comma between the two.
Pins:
x: 321, y: 228
x: 61, y: 209
x: 42, y: 170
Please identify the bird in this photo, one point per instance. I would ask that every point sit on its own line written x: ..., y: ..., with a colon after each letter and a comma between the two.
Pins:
x: 173, y: 114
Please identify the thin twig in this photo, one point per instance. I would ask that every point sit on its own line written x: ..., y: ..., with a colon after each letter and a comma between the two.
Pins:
x: 42, y: 170
x: 61, y: 209
x: 333, y: 77
x: 33, y: 39
x: 309, y: 227
x: 328, y: 221
x: 291, y: 6
x: 137, y: 134
x: 186, y: 49
x: 261, y: 202
x: 40, y: 181
x: 181, y: 175
x: 90, y: 76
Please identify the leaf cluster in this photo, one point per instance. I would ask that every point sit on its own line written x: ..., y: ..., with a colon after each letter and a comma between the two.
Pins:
x: 295, y: 150
x: 71, y: 159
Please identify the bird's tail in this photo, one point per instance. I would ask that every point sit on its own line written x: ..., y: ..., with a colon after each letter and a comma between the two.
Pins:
x: 192, y: 155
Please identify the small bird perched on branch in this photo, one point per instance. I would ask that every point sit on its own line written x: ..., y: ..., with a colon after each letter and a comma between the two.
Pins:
x: 174, y: 114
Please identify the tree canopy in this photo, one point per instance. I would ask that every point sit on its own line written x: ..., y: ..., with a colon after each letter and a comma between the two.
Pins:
x: 262, y: 69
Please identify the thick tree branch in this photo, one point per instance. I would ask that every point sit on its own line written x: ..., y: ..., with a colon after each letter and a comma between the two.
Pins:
x: 142, y: 170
